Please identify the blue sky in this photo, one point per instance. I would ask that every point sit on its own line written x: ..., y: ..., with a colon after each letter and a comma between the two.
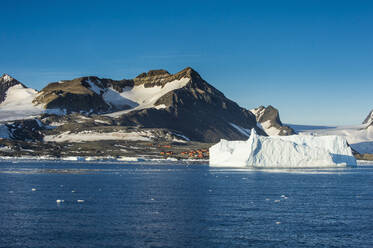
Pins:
x: 310, y: 59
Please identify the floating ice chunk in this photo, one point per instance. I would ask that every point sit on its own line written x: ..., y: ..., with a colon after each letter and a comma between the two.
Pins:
x: 276, y: 200
x: 33, y: 189
x: 60, y: 201
x: 295, y: 151
x: 80, y: 201
x: 278, y: 222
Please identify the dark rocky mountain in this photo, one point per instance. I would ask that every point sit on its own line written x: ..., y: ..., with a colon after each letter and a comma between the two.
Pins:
x: 269, y: 119
x: 91, y: 116
x: 198, y: 110
x: 182, y: 102
x: 6, y: 82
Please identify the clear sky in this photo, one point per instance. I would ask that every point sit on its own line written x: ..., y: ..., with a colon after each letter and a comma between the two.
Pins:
x: 310, y: 59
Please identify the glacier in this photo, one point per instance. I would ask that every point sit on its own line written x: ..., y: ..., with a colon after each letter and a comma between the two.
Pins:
x: 294, y: 151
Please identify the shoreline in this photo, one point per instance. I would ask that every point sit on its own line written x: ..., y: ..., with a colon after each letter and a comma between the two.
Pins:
x: 127, y: 160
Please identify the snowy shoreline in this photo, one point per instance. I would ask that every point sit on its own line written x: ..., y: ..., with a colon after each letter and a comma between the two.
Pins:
x: 102, y: 159
x: 127, y: 160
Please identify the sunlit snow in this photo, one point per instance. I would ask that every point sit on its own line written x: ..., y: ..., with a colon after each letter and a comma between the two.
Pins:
x: 140, y: 97
x: 18, y: 104
x: 360, y: 137
x: 282, y: 151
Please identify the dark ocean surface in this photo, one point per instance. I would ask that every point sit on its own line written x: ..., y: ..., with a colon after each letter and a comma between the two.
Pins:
x: 180, y: 205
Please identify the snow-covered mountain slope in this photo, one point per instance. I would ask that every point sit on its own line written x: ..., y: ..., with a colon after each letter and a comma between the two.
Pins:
x: 268, y: 119
x: 6, y: 82
x: 294, y: 151
x: 17, y: 100
x: 360, y: 137
x: 141, y: 97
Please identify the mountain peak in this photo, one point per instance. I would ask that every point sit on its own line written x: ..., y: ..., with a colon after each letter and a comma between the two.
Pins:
x: 269, y: 120
x: 6, y: 78
x: 188, y: 72
x: 153, y: 73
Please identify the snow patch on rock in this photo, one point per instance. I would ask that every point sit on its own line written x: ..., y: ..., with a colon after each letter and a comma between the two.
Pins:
x: 269, y: 129
x: 7, y: 78
x: 242, y: 130
x: 94, y: 87
x: 95, y: 136
x: 140, y: 97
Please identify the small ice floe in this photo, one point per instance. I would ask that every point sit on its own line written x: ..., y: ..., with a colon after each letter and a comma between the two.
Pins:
x: 276, y: 200
x: 267, y: 199
x: 11, y: 192
x: 80, y: 201
x: 72, y: 191
x: 244, y: 178
x: 60, y: 201
x: 284, y: 197
x: 33, y: 189
x: 152, y: 199
x: 278, y: 222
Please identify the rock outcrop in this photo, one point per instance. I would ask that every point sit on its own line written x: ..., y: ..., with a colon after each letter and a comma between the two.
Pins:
x: 269, y: 120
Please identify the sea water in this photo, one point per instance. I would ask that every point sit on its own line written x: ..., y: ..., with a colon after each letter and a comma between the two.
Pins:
x: 65, y: 204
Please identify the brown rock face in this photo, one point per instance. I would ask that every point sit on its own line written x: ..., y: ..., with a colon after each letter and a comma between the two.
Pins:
x: 74, y: 96
x: 271, y: 117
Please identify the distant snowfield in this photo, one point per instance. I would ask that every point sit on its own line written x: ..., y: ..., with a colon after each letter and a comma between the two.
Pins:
x: 18, y: 104
x: 360, y: 137
x: 96, y: 136
x: 140, y: 97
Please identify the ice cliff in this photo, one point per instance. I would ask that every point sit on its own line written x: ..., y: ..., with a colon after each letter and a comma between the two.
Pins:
x: 293, y: 151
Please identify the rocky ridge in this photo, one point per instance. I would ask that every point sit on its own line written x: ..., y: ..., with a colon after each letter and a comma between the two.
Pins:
x: 268, y: 119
